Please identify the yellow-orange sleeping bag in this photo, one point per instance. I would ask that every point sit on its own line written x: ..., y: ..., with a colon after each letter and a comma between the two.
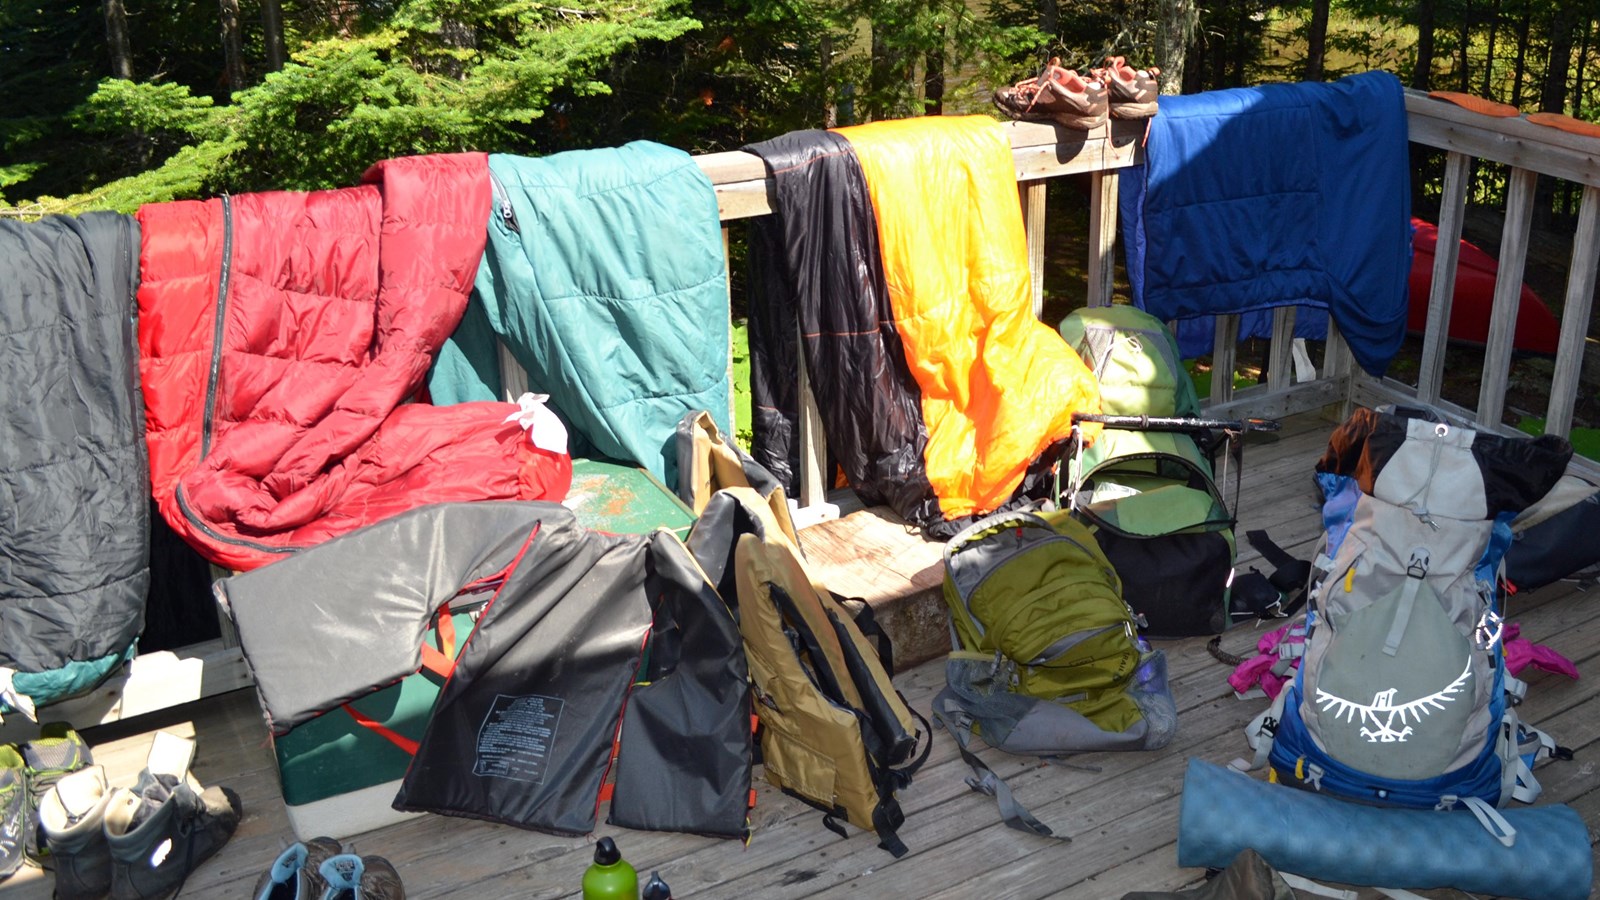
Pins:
x: 998, y: 386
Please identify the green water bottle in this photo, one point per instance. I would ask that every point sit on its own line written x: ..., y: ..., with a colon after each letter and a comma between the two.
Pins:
x: 610, y: 878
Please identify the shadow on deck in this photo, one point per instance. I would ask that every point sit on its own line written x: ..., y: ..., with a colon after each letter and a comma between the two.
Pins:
x: 1121, y: 816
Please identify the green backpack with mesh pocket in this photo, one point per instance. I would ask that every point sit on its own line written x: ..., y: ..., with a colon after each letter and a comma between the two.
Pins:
x: 1047, y: 660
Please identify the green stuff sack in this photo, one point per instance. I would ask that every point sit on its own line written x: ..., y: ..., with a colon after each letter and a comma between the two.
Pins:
x: 1149, y: 496
x: 1046, y: 660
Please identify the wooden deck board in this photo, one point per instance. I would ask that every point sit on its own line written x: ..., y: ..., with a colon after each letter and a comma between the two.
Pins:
x: 1122, y: 818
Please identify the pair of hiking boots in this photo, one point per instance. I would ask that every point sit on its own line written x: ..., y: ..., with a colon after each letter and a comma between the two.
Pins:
x: 133, y: 843
x: 1067, y: 98
x: 320, y: 869
x: 27, y: 773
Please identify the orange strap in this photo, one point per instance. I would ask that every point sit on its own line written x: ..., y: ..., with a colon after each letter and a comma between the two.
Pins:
x: 383, y: 731
x: 441, y: 662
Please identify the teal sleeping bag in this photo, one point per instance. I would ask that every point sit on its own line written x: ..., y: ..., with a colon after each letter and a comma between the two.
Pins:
x: 604, y: 275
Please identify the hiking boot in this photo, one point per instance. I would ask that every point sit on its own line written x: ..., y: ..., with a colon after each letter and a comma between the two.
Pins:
x: 1133, y: 91
x: 296, y: 875
x: 1057, y: 95
x: 57, y: 751
x: 72, y: 819
x: 162, y: 830
x: 13, y: 810
x: 352, y: 877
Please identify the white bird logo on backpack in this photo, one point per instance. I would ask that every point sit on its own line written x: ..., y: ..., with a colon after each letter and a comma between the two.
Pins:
x: 1384, y: 715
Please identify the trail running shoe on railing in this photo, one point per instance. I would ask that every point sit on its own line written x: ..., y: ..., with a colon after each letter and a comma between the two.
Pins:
x: 1056, y: 95
x: 1133, y: 91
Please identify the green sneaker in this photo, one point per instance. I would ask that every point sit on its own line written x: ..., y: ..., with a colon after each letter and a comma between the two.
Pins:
x: 58, y: 751
x: 13, y: 810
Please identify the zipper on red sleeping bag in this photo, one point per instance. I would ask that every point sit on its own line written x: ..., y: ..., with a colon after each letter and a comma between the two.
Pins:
x: 216, y: 333
x: 211, y: 390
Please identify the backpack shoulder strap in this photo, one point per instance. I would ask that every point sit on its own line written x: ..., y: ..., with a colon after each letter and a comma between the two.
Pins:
x: 948, y: 713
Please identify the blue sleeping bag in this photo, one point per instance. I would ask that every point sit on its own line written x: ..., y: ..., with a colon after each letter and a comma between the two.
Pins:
x: 604, y: 274
x: 1286, y: 194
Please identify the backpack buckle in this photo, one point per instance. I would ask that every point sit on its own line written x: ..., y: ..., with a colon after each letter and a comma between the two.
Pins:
x: 1490, y: 628
x: 1418, y: 567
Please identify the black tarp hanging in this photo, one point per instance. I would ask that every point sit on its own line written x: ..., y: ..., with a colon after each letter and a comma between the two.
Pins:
x: 74, y: 479
x: 817, y: 273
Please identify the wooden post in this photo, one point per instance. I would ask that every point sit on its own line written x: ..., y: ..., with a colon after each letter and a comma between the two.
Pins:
x: 1575, y: 315
x: 1280, y: 358
x: 1452, y: 210
x: 813, y: 443
x: 1224, y: 353
x: 727, y: 275
x: 1102, y: 236
x: 1507, y: 296
x: 1033, y: 201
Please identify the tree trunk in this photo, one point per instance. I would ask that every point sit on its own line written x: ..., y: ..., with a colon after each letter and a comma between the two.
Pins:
x: 890, y: 76
x: 1520, y: 70
x: 1173, y: 34
x: 232, y: 45
x: 1049, y: 16
x: 933, y: 79
x: 272, y: 33
x: 1579, y: 106
x: 1422, y: 75
x: 830, y: 104
x: 1465, y: 40
x: 1488, y: 56
x: 117, y: 39
x: 1553, y: 93
x: 1316, y: 40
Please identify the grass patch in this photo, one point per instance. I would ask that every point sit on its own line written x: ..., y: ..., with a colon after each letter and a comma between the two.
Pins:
x: 1586, y: 441
x: 742, y: 433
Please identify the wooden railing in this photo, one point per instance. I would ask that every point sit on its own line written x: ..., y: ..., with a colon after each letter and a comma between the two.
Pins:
x: 1044, y: 151
x: 1530, y: 151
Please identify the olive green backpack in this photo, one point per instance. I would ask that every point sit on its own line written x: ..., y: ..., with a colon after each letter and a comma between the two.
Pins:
x: 1047, y: 660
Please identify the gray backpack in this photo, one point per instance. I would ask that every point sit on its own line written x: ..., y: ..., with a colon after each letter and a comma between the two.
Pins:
x: 1402, y: 696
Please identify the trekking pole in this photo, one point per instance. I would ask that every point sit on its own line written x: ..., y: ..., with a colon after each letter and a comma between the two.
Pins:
x: 1176, y: 423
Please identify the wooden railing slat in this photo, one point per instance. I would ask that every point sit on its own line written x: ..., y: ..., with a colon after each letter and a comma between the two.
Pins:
x: 1446, y: 255
x: 813, y: 442
x: 1513, y: 141
x: 1033, y: 196
x: 1575, y: 315
x: 1280, y: 361
x: 1224, y: 354
x: 1507, y: 295
x: 1102, y: 236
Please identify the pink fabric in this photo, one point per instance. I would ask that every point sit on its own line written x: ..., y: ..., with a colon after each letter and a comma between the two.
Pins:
x: 1522, y: 653
x: 1257, y: 670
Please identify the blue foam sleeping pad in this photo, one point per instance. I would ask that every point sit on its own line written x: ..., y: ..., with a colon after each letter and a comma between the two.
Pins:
x: 1325, y: 838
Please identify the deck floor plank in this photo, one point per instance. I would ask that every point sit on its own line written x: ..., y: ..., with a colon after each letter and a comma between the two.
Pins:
x: 1122, y: 818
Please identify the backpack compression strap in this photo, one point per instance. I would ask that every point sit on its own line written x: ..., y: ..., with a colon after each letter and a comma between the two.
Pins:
x: 947, y: 711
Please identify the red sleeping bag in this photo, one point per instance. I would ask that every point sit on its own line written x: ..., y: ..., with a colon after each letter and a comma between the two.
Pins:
x: 281, y: 335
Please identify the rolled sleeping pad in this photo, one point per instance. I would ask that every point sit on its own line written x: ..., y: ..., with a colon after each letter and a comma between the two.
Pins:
x: 1320, y: 837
